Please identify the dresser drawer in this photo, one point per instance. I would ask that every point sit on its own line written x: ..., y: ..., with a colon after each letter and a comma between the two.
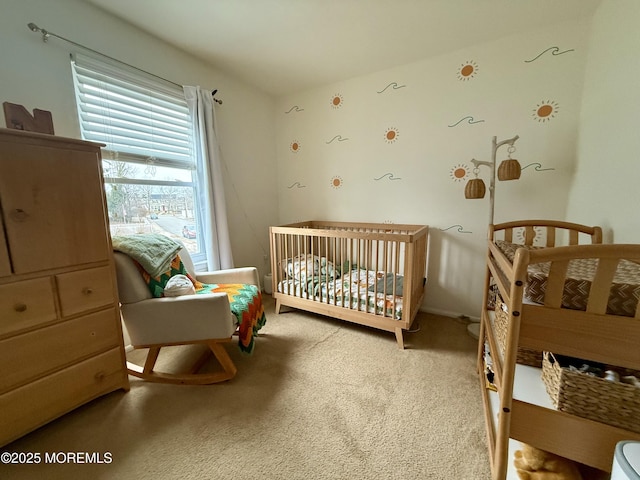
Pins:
x: 26, y: 304
x: 30, y: 406
x: 25, y: 357
x: 84, y: 290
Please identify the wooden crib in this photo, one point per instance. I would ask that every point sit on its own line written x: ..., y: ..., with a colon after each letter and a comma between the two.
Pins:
x: 366, y: 273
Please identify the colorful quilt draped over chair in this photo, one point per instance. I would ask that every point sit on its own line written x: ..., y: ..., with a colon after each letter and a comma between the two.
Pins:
x: 156, y: 284
x: 246, y: 304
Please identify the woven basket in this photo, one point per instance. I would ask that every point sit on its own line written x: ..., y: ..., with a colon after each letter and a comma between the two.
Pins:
x: 525, y: 356
x: 576, y: 393
x: 492, y: 296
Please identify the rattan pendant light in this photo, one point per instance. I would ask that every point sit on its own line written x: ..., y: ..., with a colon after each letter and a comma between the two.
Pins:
x: 510, y: 168
x: 475, y: 188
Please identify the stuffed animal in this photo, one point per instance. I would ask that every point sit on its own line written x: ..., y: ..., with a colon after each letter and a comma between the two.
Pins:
x: 534, y: 464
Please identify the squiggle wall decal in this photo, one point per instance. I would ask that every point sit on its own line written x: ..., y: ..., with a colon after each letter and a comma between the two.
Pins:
x: 460, y: 229
x: 538, y: 167
x: 390, y: 175
x: 338, y: 137
x: 470, y: 121
x: 394, y: 85
x: 298, y: 109
x: 554, y: 51
x: 296, y: 184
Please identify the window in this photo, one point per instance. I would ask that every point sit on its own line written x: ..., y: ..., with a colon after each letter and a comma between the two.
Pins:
x: 148, y: 161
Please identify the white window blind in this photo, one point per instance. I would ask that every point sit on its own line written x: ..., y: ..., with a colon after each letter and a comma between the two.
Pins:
x: 148, y: 162
x: 139, y: 118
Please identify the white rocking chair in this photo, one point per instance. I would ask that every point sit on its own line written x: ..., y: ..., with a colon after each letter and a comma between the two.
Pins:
x: 154, y: 323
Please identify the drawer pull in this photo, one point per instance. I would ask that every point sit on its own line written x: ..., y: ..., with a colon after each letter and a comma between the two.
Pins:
x: 87, y: 291
x: 99, y: 376
x: 20, y: 307
x: 19, y: 215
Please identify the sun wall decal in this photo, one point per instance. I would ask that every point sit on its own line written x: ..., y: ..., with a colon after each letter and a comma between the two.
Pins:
x: 459, y: 173
x: 337, y: 182
x: 337, y: 101
x: 467, y: 70
x: 545, y: 111
x: 537, y: 235
x: 391, y: 135
x: 295, y: 146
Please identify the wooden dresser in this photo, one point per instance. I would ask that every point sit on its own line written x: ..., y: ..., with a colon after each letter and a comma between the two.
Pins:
x: 60, y: 332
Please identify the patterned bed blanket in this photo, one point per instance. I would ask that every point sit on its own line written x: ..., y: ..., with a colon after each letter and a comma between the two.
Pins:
x: 358, y: 289
x: 625, y: 289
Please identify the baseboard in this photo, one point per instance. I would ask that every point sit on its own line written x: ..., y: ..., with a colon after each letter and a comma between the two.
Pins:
x: 447, y: 313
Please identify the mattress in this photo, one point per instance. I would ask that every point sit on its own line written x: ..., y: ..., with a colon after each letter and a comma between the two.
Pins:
x: 625, y: 289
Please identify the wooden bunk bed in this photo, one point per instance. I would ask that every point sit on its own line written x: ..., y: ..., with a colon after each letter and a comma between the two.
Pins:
x: 539, y: 282
x: 367, y: 273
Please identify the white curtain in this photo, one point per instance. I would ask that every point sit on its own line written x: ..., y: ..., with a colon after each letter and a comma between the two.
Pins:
x: 212, y: 214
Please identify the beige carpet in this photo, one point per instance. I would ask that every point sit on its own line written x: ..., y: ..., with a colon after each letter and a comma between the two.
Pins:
x: 318, y: 399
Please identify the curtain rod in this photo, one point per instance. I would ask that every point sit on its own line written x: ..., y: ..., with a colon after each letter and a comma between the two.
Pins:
x: 46, y: 34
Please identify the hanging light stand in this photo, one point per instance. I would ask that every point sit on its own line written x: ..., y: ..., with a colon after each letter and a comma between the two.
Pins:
x: 509, y: 170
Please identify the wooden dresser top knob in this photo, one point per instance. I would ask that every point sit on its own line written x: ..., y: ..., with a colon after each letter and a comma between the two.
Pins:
x: 19, y: 215
x: 20, y: 307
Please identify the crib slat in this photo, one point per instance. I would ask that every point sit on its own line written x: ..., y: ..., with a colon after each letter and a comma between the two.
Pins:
x: 508, y: 235
x: 601, y: 285
x: 573, y: 237
x: 555, y: 285
x: 529, y: 235
x: 551, y: 236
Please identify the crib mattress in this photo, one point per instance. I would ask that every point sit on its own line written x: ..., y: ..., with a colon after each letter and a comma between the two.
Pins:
x: 625, y: 290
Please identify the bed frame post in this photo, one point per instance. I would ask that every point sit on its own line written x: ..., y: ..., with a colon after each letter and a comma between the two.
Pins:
x: 399, y: 338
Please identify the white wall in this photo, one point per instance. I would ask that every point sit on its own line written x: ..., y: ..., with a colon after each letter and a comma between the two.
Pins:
x: 606, y: 187
x: 413, y: 179
x: 262, y: 173
x: 38, y: 75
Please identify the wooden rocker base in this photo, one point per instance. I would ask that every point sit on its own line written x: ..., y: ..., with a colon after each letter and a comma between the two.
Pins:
x: 191, y: 377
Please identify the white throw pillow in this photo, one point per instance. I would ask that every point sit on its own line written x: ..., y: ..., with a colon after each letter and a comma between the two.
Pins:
x: 179, y: 285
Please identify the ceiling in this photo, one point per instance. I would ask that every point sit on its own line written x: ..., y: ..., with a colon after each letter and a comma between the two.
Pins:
x: 285, y: 46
